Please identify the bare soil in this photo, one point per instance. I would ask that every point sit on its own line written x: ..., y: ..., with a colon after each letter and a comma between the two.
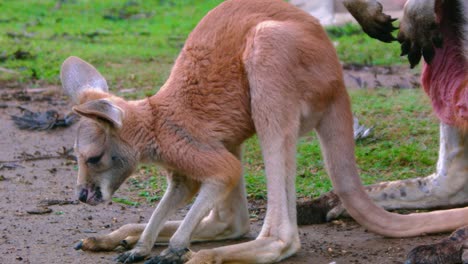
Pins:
x: 38, y: 170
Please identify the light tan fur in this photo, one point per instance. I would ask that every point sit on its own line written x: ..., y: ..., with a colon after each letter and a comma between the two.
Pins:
x: 250, y: 66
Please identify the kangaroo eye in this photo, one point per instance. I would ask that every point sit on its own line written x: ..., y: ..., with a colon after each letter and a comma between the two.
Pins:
x: 95, y: 159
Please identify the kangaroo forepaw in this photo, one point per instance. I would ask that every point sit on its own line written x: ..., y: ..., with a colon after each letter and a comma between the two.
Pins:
x: 171, y: 256
x: 130, y: 257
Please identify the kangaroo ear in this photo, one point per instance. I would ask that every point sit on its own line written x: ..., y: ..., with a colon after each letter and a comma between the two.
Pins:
x: 77, y: 75
x: 103, y: 111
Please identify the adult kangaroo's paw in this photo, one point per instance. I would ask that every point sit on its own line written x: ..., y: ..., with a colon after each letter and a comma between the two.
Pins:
x: 171, y: 256
x: 448, y: 251
x: 419, y: 33
x: 373, y: 21
x: 323, y: 209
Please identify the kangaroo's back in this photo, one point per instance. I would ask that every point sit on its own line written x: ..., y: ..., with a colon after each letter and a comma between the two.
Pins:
x: 210, y: 71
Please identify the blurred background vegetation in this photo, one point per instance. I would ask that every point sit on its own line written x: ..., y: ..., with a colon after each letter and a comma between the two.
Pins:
x: 135, y: 41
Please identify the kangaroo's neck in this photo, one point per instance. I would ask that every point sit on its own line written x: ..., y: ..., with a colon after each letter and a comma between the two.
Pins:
x: 139, y: 129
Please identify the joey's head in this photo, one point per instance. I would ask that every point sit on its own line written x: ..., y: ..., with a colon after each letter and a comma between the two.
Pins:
x: 105, y: 157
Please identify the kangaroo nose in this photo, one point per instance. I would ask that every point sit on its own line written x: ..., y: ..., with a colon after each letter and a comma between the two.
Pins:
x: 83, y: 196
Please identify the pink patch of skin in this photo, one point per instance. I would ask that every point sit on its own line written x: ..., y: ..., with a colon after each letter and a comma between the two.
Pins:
x: 462, y: 105
x: 445, y: 80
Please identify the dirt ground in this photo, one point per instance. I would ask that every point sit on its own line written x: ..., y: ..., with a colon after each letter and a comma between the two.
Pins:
x: 49, y: 237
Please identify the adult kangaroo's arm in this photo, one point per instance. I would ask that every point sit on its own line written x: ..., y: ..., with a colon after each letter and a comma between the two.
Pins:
x: 369, y: 14
x: 419, y: 31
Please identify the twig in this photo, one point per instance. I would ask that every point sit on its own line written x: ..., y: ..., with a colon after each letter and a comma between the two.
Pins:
x: 34, y: 159
x: 45, y: 203
x: 10, y: 166
x: 40, y: 211
x: 65, y: 154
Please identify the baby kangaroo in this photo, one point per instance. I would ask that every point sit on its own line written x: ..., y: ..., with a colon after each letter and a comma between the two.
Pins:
x: 250, y: 66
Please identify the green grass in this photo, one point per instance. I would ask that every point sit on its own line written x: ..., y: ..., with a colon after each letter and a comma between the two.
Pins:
x: 125, y: 200
x: 134, y: 43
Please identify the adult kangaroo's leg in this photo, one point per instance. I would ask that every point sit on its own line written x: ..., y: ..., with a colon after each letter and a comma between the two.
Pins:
x: 447, y: 188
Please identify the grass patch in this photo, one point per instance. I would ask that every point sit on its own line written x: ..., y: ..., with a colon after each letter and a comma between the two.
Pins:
x: 124, y: 200
x: 135, y: 41
x: 149, y: 183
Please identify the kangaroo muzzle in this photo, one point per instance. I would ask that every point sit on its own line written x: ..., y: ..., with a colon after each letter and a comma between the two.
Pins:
x: 89, y: 194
